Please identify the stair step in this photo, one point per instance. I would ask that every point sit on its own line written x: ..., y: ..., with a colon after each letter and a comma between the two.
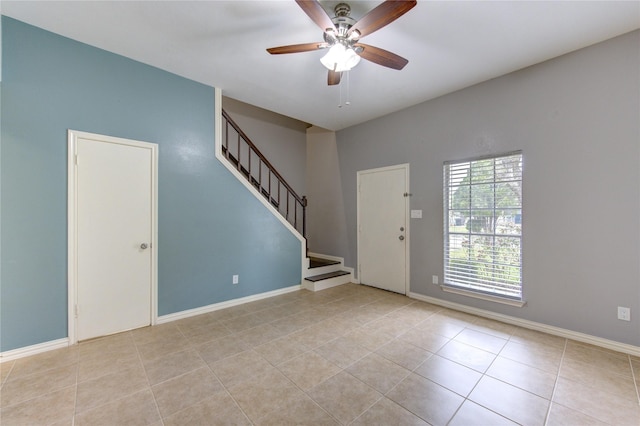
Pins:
x: 327, y: 276
x: 316, y: 262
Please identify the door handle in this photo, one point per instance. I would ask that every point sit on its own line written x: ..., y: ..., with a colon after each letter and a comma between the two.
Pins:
x: 144, y: 246
x: 401, y: 237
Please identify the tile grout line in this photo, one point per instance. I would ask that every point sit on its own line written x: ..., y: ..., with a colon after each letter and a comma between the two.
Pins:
x: 555, y: 384
x: 75, y: 399
x: 633, y: 377
x: 153, y: 395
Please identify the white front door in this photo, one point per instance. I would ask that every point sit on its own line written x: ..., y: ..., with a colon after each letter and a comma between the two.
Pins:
x: 383, y: 228
x: 114, y: 230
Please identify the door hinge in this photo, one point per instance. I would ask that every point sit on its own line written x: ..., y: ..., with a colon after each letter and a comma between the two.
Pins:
x: 76, y: 159
x: 76, y: 311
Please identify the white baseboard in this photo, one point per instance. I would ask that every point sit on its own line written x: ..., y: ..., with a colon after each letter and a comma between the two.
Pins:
x: 532, y: 325
x: 33, y: 349
x: 63, y: 343
x: 226, y: 304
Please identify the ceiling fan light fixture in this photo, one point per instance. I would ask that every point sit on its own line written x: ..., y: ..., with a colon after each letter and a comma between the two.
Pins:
x: 340, y: 58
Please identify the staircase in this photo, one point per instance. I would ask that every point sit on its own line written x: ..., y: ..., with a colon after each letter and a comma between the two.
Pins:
x: 325, y: 272
x: 322, y: 271
x: 241, y: 152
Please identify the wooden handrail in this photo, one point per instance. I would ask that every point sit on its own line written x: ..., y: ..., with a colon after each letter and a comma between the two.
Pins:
x: 237, y: 161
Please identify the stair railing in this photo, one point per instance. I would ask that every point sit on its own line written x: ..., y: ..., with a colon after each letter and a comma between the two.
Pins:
x: 254, y: 166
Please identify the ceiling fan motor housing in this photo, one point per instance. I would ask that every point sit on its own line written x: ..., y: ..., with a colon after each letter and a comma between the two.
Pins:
x: 342, y: 20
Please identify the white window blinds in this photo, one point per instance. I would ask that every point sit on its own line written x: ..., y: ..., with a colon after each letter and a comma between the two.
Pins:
x: 483, y: 225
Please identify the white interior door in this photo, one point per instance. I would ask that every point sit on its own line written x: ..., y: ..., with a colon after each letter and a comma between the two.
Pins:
x: 383, y: 227
x: 114, y: 223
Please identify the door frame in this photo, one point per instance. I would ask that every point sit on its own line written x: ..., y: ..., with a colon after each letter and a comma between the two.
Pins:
x: 72, y: 231
x: 405, y: 167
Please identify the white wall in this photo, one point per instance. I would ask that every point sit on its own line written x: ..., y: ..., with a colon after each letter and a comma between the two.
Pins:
x: 576, y: 119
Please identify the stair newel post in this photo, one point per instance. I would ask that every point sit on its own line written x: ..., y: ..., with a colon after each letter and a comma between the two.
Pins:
x: 304, y: 216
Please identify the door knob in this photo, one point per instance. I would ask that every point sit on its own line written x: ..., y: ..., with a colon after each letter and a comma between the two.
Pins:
x: 401, y: 237
x: 143, y: 246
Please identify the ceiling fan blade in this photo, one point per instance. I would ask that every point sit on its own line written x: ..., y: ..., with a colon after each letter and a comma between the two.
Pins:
x: 317, y: 14
x: 381, y: 56
x: 296, y: 48
x: 382, y: 15
x: 333, y: 78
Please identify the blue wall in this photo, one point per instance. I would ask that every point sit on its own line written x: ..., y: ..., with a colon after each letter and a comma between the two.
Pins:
x: 209, y: 226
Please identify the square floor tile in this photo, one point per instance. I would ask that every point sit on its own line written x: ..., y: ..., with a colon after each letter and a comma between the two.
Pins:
x: 545, y: 358
x: 466, y: 355
x: 363, y: 337
x: 600, y: 358
x: 342, y: 352
x: 387, y: 412
x: 562, y: 416
x: 425, y: 339
x: 218, y: 349
x: 183, y: 391
x: 451, y: 375
x: 172, y: 365
x: 240, y: 367
x: 404, y: 354
x: 139, y: 408
x: 101, y: 390
x: 378, y: 372
x: 218, y: 409
x: 481, y: 340
x: 344, y: 397
x: 24, y: 388
x: 528, y: 378
x: 281, y: 350
x: 594, y: 402
x: 299, y: 411
x: 473, y: 414
x: 57, y: 406
x: 426, y: 399
x: 509, y: 401
x: 446, y: 327
x: 264, y: 394
x: 309, y: 370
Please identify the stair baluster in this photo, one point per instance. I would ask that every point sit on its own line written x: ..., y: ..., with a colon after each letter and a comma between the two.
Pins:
x: 246, y: 168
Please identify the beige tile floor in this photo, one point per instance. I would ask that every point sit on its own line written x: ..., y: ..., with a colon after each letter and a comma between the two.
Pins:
x: 347, y: 355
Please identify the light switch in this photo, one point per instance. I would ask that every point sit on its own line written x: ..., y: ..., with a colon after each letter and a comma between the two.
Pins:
x: 416, y: 214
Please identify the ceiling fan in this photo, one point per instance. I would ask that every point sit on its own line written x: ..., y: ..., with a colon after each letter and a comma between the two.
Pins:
x: 342, y: 36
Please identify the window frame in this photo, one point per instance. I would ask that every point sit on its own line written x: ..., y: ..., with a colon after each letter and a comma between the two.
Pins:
x: 476, y: 285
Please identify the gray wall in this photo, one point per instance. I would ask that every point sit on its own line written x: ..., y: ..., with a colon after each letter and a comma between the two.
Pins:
x: 281, y: 139
x: 326, y: 221
x: 576, y: 119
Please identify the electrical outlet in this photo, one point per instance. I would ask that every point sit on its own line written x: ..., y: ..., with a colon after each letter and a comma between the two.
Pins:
x: 624, y: 314
x: 434, y: 279
x: 235, y: 279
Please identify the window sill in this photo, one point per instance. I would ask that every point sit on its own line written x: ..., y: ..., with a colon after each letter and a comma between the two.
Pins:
x: 490, y: 298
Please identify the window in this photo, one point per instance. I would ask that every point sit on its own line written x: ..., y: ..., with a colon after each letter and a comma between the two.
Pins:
x: 483, y: 226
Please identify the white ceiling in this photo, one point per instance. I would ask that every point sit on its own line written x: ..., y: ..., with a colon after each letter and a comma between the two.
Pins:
x: 449, y: 44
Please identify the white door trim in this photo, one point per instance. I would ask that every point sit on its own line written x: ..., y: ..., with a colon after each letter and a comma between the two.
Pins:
x: 72, y: 249
x: 405, y: 167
